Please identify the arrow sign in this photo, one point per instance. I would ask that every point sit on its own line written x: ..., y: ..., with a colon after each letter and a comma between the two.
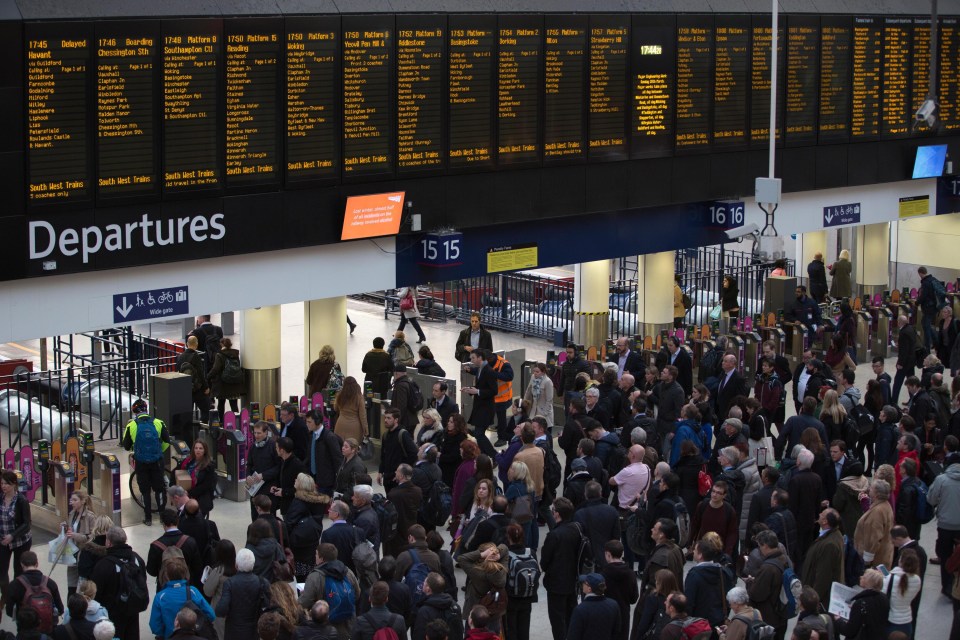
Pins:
x: 841, y: 214
x: 151, y: 304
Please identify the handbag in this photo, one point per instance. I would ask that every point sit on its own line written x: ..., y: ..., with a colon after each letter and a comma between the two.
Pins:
x: 715, y: 312
x: 704, y: 482
x: 62, y: 550
x: 366, y: 449
x: 522, y: 511
x: 406, y: 302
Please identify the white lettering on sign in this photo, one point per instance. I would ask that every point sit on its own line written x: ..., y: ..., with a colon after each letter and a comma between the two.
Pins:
x: 44, y: 238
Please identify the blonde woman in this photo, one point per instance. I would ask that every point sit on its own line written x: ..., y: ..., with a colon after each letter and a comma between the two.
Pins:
x: 430, y: 428
x: 94, y: 548
x: 324, y: 372
x: 833, y: 415
x: 307, y: 502
x: 95, y: 611
x: 485, y: 571
x: 540, y: 393
x: 79, y: 527
x: 521, y: 486
x: 840, y: 270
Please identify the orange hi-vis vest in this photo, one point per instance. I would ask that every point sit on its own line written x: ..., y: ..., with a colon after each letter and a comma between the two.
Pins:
x: 504, y: 388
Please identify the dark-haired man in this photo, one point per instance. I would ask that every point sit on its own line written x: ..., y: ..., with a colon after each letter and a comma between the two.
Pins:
x: 472, y: 338
x: 293, y: 426
x: 379, y: 616
x: 559, y: 563
x: 377, y: 368
x: 290, y: 468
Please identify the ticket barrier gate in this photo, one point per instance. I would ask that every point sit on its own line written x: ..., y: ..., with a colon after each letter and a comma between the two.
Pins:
x: 775, y: 335
x: 700, y: 345
x: 864, y: 334
x: 87, y: 456
x: 751, y: 347
x: 735, y: 345
x: 106, y: 467
x: 797, y: 340
x: 64, y: 477
x: 232, y: 473
x: 881, y: 321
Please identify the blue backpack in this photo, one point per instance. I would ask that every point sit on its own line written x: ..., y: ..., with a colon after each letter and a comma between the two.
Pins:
x: 790, y: 591
x: 339, y: 595
x: 415, y: 577
x: 146, y: 446
x: 924, y: 510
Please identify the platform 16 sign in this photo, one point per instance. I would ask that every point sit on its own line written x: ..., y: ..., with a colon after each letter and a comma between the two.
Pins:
x: 441, y: 249
x: 727, y: 214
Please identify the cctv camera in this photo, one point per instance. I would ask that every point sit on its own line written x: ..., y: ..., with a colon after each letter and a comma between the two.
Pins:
x: 742, y: 232
x: 926, y: 112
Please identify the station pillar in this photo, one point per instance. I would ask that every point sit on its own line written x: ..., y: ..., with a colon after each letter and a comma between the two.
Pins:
x: 655, y: 273
x: 260, y: 353
x: 325, y: 322
x: 811, y: 243
x: 591, y: 303
x: 872, y: 267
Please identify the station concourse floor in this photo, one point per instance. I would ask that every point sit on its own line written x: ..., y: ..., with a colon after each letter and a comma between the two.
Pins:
x: 232, y: 518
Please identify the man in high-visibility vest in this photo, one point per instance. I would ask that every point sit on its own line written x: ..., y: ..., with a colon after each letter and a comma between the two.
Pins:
x: 149, y: 440
x: 504, y: 395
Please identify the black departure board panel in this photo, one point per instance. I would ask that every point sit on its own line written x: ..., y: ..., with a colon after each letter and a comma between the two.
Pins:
x: 867, y: 74
x: 654, y: 77
x: 126, y: 75
x: 367, y: 95
x: 312, y: 138
x: 58, y: 141
x: 192, y: 141
x: 897, y: 62
x: 694, y: 82
x: 472, y: 54
x: 730, y: 82
x: 835, y: 54
x: 949, y: 82
x: 564, y: 56
x: 421, y: 73
x: 518, y: 89
x: 803, y: 75
x: 920, y: 67
x: 253, y: 61
x: 607, y: 104
x: 760, y: 68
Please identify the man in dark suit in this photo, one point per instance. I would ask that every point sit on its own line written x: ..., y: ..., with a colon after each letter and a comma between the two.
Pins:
x: 730, y: 386
x: 627, y: 361
x: 406, y: 498
x: 484, y: 392
x: 681, y: 360
x: 805, y: 489
x: 842, y: 465
x: 396, y: 447
x: 800, y: 378
x: 172, y: 537
x: 906, y: 356
x: 599, y: 520
x: 472, y: 338
x: 558, y: 559
x: 290, y: 468
x: 341, y: 534
x: 444, y: 404
x: 324, y: 453
x: 494, y: 528
x: 193, y: 524
x: 293, y: 426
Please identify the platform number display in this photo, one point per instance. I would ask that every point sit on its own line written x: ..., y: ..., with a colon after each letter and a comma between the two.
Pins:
x: 726, y: 214
x: 441, y: 249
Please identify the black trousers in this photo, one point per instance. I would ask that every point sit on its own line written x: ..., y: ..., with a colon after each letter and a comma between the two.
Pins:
x: 503, y: 432
x: 150, y: 481
x: 202, y: 401
x: 6, y: 553
x: 127, y: 628
x: 901, y: 375
x: 947, y: 539
x: 222, y: 404
x: 560, y: 609
x: 517, y: 621
x: 416, y: 325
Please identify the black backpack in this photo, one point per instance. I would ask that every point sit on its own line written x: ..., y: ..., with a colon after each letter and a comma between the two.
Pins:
x: 616, y: 460
x: 132, y: 594
x: 232, y: 372
x: 552, y: 471
x: 387, y: 515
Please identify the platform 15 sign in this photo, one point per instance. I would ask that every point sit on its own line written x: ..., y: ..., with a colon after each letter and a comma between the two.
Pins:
x: 441, y: 249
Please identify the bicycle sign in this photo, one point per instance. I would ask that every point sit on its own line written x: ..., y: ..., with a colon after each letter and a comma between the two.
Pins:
x: 150, y: 305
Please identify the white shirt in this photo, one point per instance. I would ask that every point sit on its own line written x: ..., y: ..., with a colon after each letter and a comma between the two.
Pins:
x: 802, y: 382
x: 900, y: 612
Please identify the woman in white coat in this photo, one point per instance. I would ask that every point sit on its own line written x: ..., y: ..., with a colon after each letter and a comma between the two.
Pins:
x: 540, y: 392
x: 409, y: 311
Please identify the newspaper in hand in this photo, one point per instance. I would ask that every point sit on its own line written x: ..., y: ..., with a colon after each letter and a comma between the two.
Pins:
x: 840, y: 597
x: 253, y: 488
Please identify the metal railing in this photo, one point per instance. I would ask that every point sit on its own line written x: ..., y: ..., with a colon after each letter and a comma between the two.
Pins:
x: 524, y: 303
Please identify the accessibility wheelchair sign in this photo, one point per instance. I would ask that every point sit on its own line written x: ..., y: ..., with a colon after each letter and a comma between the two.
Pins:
x: 150, y: 305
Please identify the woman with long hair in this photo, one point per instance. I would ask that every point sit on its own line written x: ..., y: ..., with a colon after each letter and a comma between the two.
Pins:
x: 265, y: 548
x: 203, y: 473
x: 483, y: 471
x: 307, y: 503
x: 521, y: 484
x: 902, y: 586
x: 284, y: 601
x: 324, y: 372
x: 810, y: 439
x: 450, y: 458
x: 485, y: 570
x: 15, y: 525
x: 729, y: 303
x: 540, y: 392
x: 427, y: 364
x: 94, y: 548
x: 79, y: 526
x: 649, y: 616
x: 468, y: 453
x: 482, y: 501
x: 430, y: 428
x: 837, y: 356
x: 224, y: 567
x: 840, y: 270
x: 833, y: 415
x: 351, y: 408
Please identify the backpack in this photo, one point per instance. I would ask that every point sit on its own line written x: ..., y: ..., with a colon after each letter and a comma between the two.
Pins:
x: 190, y: 369
x: 924, y: 510
x: 438, y: 505
x: 388, y: 516
x: 146, y: 446
x: 939, y: 292
x: 853, y: 566
x: 402, y: 354
x: 365, y: 562
x: 693, y: 628
x: 757, y: 629
x: 205, y: 628
x: 790, y: 591
x: 523, y: 575
x: 339, y: 595
x: 686, y: 301
x: 453, y: 616
x: 585, y: 560
x: 414, y: 397
x: 415, y: 577
x: 552, y: 471
x: 40, y: 599
x: 709, y: 364
x: 860, y: 415
x: 232, y: 372
x: 851, y: 433
x: 133, y: 591
x: 168, y: 554
x: 385, y: 633
x: 682, y: 518
x: 616, y: 460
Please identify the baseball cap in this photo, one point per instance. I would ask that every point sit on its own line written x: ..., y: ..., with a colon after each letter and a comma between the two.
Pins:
x: 595, y: 580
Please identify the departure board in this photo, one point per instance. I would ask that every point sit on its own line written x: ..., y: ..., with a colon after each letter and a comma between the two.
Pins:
x: 607, y: 98
x: 313, y: 101
x: 803, y: 74
x: 564, y: 53
x: 57, y: 138
x: 126, y: 127
x: 897, y: 47
x: 730, y: 81
x: 920, y: 71
x: 760, y: 71
x: 949, y: 65
x: 191, y: 105
x: 421, y: 42
x: 694, y: 81
x: 471, y: 51
x: 518, y: 89
x: 834, y: 117
x: 367, y: 95
x: 252, y: 143
x: 867, y: 72
x: 654, y: 69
